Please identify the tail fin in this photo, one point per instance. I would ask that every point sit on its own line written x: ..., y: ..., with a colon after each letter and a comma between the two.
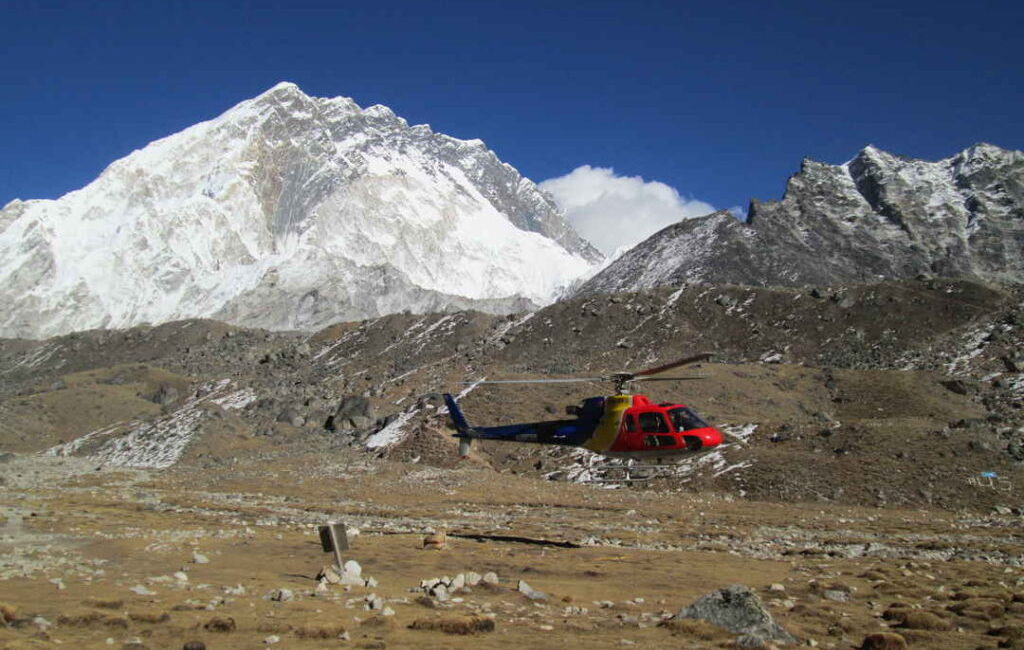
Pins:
x: 458, y: 419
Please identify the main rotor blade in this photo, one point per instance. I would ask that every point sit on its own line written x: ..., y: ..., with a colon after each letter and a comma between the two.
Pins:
x: 534, y: 381
x: 671, y: 378
x: 675, y: 364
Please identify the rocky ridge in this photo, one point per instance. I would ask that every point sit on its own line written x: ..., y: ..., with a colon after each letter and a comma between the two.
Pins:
x: 831, y: 377
x: 878, y: 216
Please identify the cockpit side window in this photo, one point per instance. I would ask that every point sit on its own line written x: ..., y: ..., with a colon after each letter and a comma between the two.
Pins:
x: 653, y: 422
x: 629, y: 422
x: 686, y: 419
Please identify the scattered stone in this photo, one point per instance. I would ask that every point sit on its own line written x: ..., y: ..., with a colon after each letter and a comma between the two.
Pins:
x: 199, y: 558
x: 8, y: 613
x: 777, y: 587
x: 281, y: 595
x: 531, y: 593
x: 837, y: 595
x: 473, y: 579
x: 329, y: 575
x: 352, y: 568
x: 435, y: 541
x: 490, y: 578
x: 181, y: 576
x: 738, y: 609
x: 141, y: 590
x: 272, y: 639
x: 458, y: 582
x: 439, y: 591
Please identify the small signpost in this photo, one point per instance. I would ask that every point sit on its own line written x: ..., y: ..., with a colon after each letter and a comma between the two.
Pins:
x: 333, y: 538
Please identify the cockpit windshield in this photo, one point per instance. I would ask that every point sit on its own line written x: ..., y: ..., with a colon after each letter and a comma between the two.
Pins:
x: 686, y: 419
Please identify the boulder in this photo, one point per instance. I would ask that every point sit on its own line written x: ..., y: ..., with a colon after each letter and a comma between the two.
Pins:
x: 737, y: 609
x: 435, y: 541
x: 352, y: 409
x: 531, y: 593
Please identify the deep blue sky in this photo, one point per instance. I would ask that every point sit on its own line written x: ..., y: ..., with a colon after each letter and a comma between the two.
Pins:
x: 720, y: 99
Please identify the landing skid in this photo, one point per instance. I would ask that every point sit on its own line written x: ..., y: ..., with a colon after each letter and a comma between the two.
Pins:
x: 627, y: 473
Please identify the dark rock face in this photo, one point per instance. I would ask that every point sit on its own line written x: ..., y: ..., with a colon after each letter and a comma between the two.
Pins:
x: 354, y: 412
x: 738, y: 609
x: 878, y: 216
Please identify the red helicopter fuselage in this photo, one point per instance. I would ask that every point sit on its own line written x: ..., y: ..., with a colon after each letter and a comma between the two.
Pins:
x: 661, y: 430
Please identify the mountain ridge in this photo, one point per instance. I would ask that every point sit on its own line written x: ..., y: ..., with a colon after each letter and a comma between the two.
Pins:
x: 878, y: 216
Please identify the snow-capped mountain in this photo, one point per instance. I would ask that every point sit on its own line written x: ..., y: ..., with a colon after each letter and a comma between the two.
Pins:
x: 879, y: 216
x: 286, y: 212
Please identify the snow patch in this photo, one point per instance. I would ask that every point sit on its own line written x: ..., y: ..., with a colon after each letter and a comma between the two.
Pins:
x: 160, y: 443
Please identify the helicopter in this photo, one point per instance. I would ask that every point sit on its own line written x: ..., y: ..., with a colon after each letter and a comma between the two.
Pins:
x: 622, y: 425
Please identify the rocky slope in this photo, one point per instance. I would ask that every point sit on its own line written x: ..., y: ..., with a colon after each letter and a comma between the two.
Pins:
x: 904, y: 391
x: 286, y: 212
x: 878, y: 216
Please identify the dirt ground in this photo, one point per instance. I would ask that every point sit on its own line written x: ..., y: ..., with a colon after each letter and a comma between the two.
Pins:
x: 614, y: 564
x: 852, y: 496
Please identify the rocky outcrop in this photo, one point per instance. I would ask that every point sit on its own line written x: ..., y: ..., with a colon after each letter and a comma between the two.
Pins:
x: 878, y: 216
x: 738, y: 609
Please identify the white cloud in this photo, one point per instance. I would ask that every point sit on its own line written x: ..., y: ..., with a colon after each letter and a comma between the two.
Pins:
x: 615, y: 213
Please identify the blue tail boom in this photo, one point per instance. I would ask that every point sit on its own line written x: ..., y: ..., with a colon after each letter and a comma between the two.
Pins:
x: 458, y: 419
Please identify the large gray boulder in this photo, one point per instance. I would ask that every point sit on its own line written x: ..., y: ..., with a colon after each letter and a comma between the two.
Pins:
x: 354, y: 412
x: 738, y: 609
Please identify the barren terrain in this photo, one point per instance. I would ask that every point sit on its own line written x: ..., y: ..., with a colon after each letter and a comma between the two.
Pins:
x: 870, y: 482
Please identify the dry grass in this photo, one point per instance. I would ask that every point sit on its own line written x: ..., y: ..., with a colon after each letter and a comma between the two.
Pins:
x: 460, y: 626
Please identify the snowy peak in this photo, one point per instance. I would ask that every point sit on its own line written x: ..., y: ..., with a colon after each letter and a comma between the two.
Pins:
x: 878, y: 216
x: 287, y: 212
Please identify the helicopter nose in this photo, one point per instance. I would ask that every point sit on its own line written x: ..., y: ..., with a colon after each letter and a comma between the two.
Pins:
x: 712, y: 438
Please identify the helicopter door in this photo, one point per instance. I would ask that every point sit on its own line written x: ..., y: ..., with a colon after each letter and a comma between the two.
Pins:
x: 630, y: 435
x: 653, y: 423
